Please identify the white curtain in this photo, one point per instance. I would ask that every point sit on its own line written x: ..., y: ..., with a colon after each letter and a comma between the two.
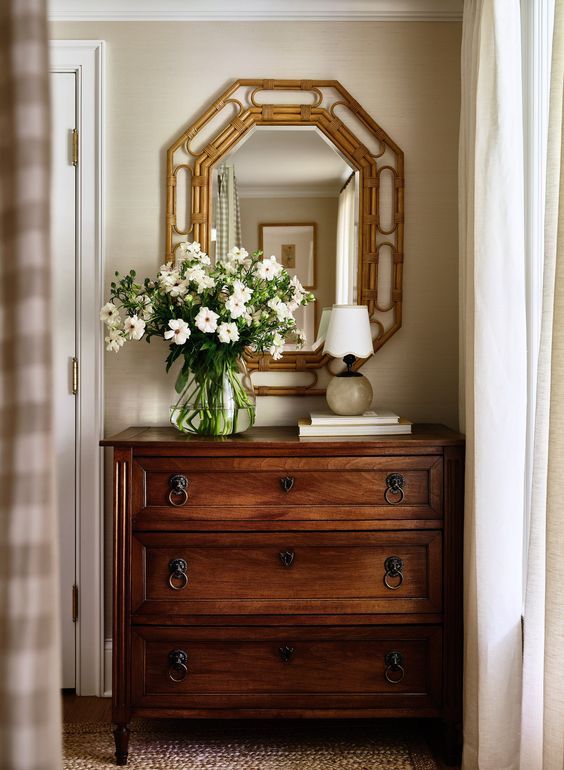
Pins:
x: 228, y: 213
x: 30, y: 729
x: 346, y: 246
x: 493, y: 352
x: 542, y: 733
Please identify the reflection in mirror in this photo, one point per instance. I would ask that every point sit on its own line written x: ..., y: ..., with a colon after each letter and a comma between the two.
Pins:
x: 287, y: 191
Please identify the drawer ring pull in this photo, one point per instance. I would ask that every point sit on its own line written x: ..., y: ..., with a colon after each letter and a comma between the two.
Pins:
x: 393, y: 566
x: 178, y: 489
x: 287, y: 558
x: 178, y: 572
x: 394, y: 672
x: 287, y: 482
x: 394, y: 486
x: 178, y: 670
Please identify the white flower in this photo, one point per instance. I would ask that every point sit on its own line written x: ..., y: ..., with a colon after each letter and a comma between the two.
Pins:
x: 177, y: 287
x: 241, y: 291
x: 277, y: 347
x: 198, y: 275
x: 228, y: 332
x: 179, y: 331
x: 114, y: 340
x: 109, y: 314
x: 165, y: 269
x: 280, y: 308
x: 193, y: 251
x: 247, y: 317
x: 297, y: 295
x: 206, y: 320
x: 229, y: 267
x: 134, y: 327
x: 236, y: 306
x: 269, y: 268
x: 237, y: 255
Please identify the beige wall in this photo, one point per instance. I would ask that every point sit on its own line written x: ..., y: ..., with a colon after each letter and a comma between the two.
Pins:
x: 405, y: 74
x: 322, y: 211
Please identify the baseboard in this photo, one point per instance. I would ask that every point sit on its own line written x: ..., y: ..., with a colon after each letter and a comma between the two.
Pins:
x: 107, y: 668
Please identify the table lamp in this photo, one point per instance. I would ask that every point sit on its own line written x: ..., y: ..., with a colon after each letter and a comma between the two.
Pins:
x: 349, y: 337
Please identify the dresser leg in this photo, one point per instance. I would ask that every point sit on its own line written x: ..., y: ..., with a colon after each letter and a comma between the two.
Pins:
x: 121, y: 737
x: 452, y: 743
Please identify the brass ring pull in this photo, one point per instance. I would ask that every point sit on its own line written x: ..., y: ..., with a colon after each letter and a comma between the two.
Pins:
x: 287, y: 558
x: 394, y: 671
x: 394, y: 486
x: 287, y: 482
x: 178, y: 572
x: 178, y: 489
x: 393, y: 566
x: 178, y: 670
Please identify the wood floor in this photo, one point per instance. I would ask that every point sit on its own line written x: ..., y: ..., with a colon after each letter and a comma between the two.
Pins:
x: 85, y: 709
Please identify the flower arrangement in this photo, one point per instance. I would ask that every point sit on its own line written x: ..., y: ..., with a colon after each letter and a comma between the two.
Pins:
x: 209, y: 314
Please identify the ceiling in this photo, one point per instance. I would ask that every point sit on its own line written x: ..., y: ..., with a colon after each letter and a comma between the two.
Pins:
x: 264, y: 10
x: 294, y: 161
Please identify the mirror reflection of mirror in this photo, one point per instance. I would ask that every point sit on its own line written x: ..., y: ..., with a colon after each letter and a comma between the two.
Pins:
x: 287, y: 191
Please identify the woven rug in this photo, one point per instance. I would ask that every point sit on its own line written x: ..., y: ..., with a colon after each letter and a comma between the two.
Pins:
x: 177, y: 745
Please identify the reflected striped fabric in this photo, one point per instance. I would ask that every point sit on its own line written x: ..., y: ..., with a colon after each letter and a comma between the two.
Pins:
x: 29, y: 649
x: 227, y: 212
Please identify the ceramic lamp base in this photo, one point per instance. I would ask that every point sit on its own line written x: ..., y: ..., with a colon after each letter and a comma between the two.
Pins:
x: 349, y: 395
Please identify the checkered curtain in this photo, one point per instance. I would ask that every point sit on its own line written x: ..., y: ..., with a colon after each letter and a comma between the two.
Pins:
x: 29, y: 647
x: 227, y: 213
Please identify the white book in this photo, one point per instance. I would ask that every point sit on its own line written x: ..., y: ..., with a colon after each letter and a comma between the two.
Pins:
x: 379, y: 417
x: 307, y: 429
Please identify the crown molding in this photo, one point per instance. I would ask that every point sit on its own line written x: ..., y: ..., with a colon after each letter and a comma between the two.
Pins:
x: 287, y: 192
x: 255, y: 10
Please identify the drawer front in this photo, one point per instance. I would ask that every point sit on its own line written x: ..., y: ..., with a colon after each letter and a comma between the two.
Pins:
x: 268, y: 573
x: 180, y: 489
x: 305, y: 667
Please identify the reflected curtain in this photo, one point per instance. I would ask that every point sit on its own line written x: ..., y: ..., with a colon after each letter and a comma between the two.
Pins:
x: 228, y: 213
x: 493, y: 341
x: 346, y: 248
x: 30, y: 730
x: 542, y: 736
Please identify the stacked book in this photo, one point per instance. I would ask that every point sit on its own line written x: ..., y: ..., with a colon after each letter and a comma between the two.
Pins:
x: 377, y: 423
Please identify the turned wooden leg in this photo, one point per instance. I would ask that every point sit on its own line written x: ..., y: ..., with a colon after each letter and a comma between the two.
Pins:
x: 121, y: 737
x: 452, y: 743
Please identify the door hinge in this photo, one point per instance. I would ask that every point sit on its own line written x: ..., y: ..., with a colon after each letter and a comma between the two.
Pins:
x: 74, y: 604
x: 74, y: 376
x: 75, y: 147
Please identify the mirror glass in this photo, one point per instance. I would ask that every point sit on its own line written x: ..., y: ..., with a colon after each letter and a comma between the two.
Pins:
x: 287, y: 191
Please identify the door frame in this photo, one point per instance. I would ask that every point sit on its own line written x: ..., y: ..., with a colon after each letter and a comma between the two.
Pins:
x: 85, y: 58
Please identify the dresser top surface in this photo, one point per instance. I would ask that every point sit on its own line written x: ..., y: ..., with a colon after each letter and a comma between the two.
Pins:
x: 283, y: 437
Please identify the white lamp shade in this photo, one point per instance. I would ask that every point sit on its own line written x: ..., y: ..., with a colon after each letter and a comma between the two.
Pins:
x: 349, y: 332
x: 323, y: 326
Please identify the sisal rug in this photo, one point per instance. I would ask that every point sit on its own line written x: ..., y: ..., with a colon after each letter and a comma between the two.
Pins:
x: 177, y: 745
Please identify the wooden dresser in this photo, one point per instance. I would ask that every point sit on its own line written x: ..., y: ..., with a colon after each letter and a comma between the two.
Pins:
x: 270, y: 576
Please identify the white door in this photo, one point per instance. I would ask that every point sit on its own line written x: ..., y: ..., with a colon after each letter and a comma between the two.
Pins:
x: 63, y: 256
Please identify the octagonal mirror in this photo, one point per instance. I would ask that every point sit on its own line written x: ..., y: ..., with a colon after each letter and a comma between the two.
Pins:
x: 299, y: 170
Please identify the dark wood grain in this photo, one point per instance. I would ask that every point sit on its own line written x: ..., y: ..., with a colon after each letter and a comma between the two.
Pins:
x: 244, y: 666
x: 241, y: 604
x: 286, y: 439
x: 244, y: 573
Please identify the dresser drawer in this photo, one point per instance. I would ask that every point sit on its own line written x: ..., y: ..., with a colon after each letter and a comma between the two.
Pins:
x: 180, y: 489
x: 290, y: 668
x: 290, y: 572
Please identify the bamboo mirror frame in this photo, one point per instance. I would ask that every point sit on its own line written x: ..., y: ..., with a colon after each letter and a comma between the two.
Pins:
x: 327, y: 106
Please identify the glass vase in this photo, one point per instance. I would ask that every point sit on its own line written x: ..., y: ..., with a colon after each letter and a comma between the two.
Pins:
x: 218, y: 402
